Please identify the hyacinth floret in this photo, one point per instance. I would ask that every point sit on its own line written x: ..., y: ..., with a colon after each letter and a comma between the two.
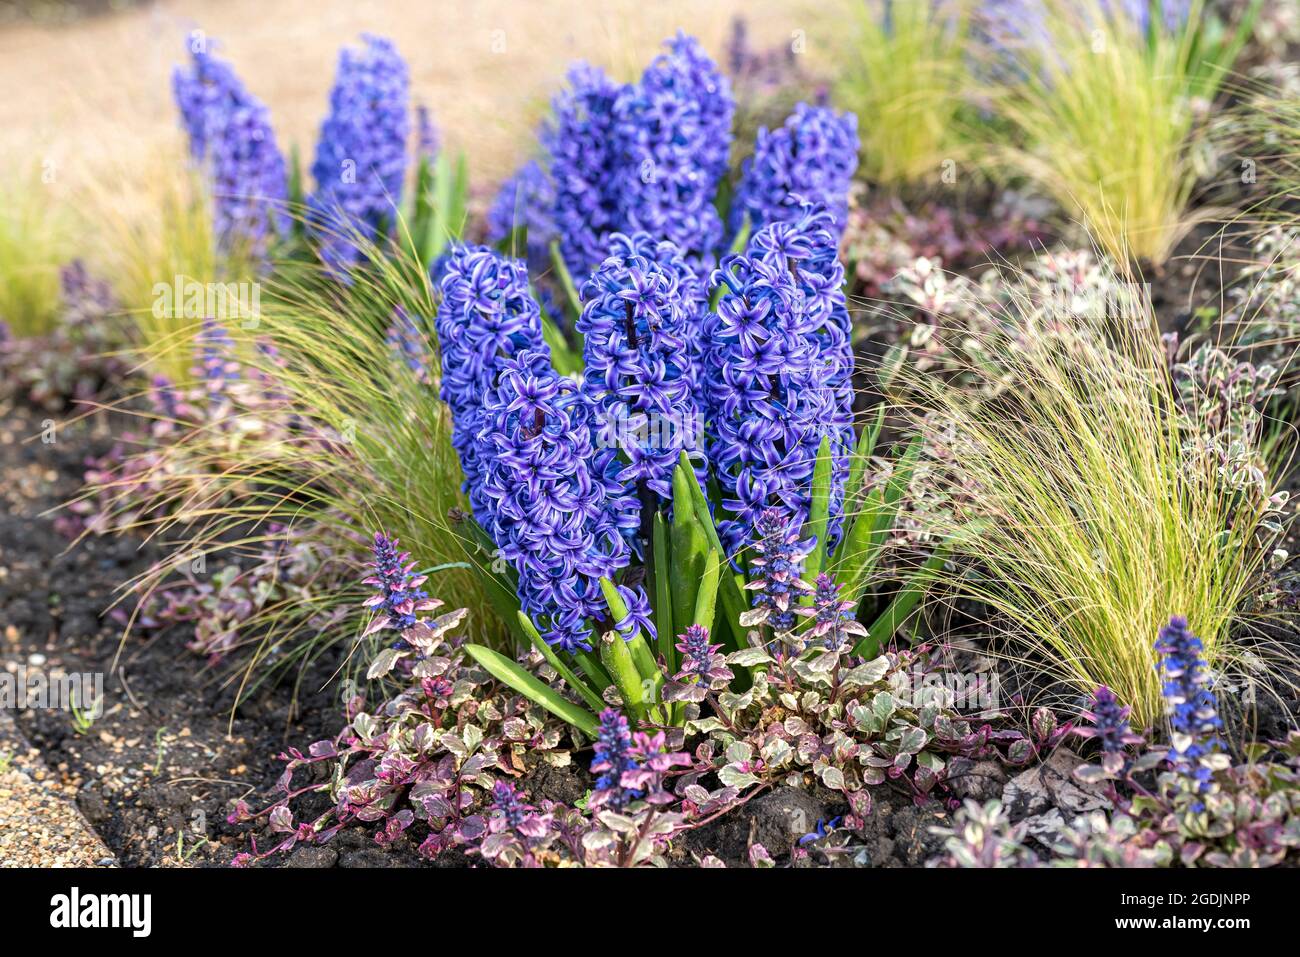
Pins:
x: 776, y: 564
x: 639, y: 335
x: 551, y: 499
x: 398, y: 597
x: 778, y: 374
x: 811, y: 157
x: 231, y: 137
x: 486, y: 316
x: 360, y: 160
x: 583, y: 156
x: 674, y: 134
x: 1193, y: 710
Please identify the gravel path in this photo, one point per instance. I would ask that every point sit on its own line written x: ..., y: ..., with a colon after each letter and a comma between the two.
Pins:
x: 40, y: 825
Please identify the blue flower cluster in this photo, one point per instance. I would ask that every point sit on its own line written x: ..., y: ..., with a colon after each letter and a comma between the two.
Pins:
x: 486, y: 316
x: 399, y: 595
x: 230, y: 134
x: 811, y: 158
x: 583, y: 155
x: 613, y: 758
x: 1110, y: 723
x: 674, y: 134
x: 778, y: 369
x: 526, y: 200
x: 640, y: 325
x: 552, y: 501
x: 645, y: 156
x: 1194, y: 713
x: 361, y: 155
x: 777, y: 565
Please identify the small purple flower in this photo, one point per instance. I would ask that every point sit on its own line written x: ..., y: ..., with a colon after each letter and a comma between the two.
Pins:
x: 426, y: 135
x: 777, y: 564
x: 399, y: 596
x: 833, y: 619
x: 1194, y: 715
x: 613, y: 758
x: 1110, y: 723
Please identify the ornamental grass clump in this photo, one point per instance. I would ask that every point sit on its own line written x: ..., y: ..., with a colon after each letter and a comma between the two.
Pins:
x: 36, y: 240
x: 1108, y: 114
x: 1087, y: 512
x: 906, y: 77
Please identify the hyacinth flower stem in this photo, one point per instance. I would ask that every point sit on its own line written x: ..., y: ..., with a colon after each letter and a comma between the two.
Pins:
x: 584, y: 690
x: 649, y: 677
x: 566, y: 280
x: 663, y: 596
x: 732, y: 584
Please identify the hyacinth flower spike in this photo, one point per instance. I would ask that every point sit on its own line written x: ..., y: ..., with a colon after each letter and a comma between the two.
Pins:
x: 360, y: 162
x: 231, y: 138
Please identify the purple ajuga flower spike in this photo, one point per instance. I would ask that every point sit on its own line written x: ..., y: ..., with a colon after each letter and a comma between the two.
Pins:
x: 361, y: 155
x: 1110, y: 723
x: 216, y: 367
x: 674, y: 135
x: 701, y: 660
x: 776, y: 566
x: 583, y: 153
x: 398, y: 596
x: 778, y: 370
x: 426, y: 135
x: 526, y: 200
x: 613, y: 758
x: 486, y: 316
x: 833, y: 619
x: 552, y: 500
x: 230, y: 136
x: 405, y: 337
x: 1194, y: 714
x: 811, y: 158
x: 640, y: 333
